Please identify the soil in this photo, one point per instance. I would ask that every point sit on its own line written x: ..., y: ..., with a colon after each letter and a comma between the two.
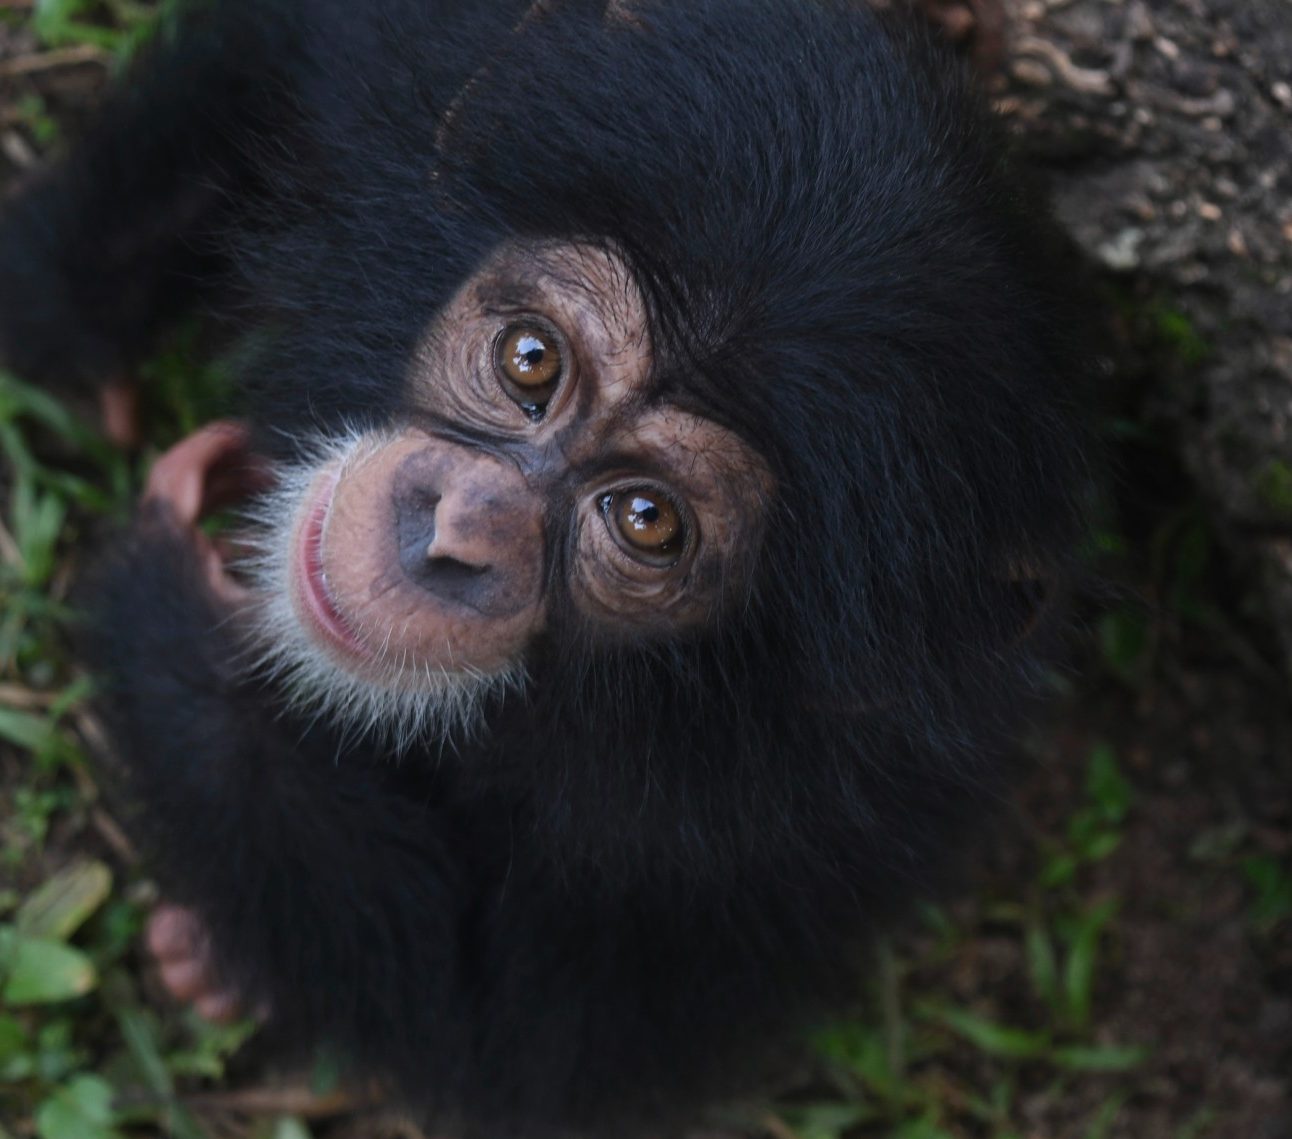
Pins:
x: 1165, y: 131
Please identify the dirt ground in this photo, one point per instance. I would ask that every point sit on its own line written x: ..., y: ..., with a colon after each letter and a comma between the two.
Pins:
x: 1165, y: 132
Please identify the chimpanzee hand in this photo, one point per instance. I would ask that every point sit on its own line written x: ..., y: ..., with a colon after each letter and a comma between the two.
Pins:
x: 206, y: 471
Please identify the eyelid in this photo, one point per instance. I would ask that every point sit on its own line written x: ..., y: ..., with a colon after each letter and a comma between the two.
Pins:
x: 603, y: 501
x: 508, y: 311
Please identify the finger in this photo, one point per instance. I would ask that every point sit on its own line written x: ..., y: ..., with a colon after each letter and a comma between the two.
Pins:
x: 186, y: 980
x: 220, y: 1006
x: 119, y: 413
x: 173, y: 932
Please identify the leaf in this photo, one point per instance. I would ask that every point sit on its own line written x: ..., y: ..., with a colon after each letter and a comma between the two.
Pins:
x: 1101, y: 846
x: 15, y: 1055
x: 859, y: 1048
x: 824, y: 1120
x: 994, y: 1039
x: 920, y: 1129
x: 18, y: 397
x: 82, y: 1109
x: 13, y: 1037
x: 1083, y: 955
x: 1124, y: 642
x: 1106, y: 785
x: 212, y: 1045
x: 1042, y: 966
x: 1273, y: 888
x: 142, y: 1038
x: 23, y: 729
x: 1095, y: 1058
x: 1105, y: 1116
x: 61, y: 905
x: 36, y: 520
x: 37, y: 971
x: 1058, y: 871
x: 140, y: 1035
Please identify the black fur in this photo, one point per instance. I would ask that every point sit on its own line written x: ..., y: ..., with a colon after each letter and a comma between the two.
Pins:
x: 659, y: 865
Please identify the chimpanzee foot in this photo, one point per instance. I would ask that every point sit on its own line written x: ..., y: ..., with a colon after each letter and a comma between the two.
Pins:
x: 179, y: 941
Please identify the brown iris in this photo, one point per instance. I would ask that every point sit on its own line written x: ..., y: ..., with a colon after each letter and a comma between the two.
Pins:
x: 646, y: 523
x: 529, y: 364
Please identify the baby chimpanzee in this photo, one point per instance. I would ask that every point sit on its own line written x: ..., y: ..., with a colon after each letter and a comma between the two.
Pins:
x: 657, y: 435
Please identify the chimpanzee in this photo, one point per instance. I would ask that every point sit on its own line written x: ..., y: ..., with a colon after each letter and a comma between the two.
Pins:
x: 658, y: 446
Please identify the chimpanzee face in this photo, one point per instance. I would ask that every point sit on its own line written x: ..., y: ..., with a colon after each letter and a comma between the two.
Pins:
x: 536, y: 481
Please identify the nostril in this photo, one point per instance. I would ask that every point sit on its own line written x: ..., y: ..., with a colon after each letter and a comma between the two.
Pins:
x: 446, y: 577
x: 449, y: 571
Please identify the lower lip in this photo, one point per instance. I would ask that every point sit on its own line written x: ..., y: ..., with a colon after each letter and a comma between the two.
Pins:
x: 313, y: 591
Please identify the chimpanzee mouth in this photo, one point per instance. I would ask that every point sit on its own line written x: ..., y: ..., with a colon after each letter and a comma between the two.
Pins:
x: 319, y: 608
x: 302, y: 637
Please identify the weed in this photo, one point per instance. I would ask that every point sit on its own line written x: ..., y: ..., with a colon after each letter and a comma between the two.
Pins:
x: 1274, y: 487
x: 1270, y: 881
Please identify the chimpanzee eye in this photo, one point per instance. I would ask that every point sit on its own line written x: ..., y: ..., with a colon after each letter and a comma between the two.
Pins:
x: 527, y: 358
x: 646, y: 523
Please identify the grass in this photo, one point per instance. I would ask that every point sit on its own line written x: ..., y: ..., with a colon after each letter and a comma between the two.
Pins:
x: 918, y: 1063
x: 82, y: 1055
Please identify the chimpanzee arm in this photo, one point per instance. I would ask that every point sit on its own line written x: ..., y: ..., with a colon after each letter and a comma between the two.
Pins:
x: 330, y: 900
x: 101, y: 251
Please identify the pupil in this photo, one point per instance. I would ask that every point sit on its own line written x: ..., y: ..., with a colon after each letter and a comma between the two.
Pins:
x: 644, y: 512
x: 531, y: 352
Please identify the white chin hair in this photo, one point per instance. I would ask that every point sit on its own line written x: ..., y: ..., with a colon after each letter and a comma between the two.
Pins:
x: 413, y: 703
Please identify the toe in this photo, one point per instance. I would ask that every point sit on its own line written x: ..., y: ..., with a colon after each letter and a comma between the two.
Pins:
x: 174, y: 933
x: 186, y: 979
x: 220, y: 1006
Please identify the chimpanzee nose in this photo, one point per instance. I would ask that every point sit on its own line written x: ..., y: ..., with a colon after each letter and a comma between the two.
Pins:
x: 430, y: 557
x: 467, y: 528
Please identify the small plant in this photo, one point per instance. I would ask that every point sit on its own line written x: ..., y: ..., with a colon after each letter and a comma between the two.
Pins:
x: 1274, y: 488
x: 1270, y: 882
x: 118, y: 27
x: 1095, y: 829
